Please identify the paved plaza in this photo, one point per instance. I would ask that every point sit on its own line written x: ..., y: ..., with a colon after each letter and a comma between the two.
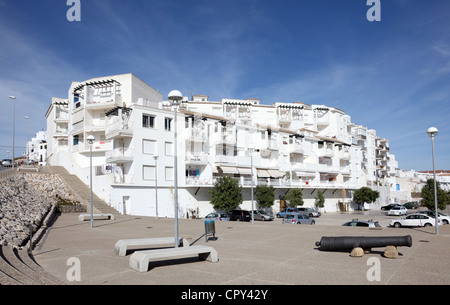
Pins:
x: 263, y: 253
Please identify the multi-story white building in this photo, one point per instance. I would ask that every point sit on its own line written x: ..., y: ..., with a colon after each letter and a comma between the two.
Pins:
x: 37, y: 149
x: 290, y: 145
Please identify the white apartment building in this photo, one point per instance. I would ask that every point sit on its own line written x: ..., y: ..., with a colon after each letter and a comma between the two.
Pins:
x: 37, y: 149
x: 290, y: 145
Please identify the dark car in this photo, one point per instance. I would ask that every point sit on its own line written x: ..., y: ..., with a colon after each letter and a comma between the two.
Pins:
x: 389, y: 206
x: 362, y: 223
x: 240, y: 215
x: 411, y: 205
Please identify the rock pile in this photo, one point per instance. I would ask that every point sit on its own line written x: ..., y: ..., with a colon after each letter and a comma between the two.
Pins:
x: 25, y: 200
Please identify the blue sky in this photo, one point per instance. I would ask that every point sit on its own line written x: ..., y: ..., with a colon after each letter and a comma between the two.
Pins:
x: 392, y: 76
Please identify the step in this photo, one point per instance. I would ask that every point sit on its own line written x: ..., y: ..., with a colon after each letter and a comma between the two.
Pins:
x: 9, y: 269
x: 83, y: 191
x: 28, y: 260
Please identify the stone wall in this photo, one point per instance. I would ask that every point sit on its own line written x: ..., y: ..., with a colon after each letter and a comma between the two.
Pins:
x: 25, y: 199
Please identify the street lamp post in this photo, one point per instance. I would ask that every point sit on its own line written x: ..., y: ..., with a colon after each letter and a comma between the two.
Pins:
x: 432, y: 133
x: 91, y: 140
x: 175, y: 97
x: 28, y: 138
x: 156, y: 184
x: 251, y: 168
x: 14, y: 124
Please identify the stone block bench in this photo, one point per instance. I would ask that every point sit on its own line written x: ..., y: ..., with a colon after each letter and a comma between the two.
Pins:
x: 83, y: 217
x: 140, y: 260
x: 122, y: 245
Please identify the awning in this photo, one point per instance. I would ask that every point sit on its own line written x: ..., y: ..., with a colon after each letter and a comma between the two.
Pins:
x: 244, y: 171
x: 229, y: 170
x: 262, y: 173
x: 275, y: 173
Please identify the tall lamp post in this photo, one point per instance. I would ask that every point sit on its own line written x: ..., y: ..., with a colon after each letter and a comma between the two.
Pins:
x: 432, y: 133
x: 91, y: 140
x: 156, y: 184
x: 175, y: 97
x: 14, y: 124
x: 28, y: 138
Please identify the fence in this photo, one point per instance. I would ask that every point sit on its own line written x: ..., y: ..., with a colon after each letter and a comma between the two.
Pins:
x: 6, y: 173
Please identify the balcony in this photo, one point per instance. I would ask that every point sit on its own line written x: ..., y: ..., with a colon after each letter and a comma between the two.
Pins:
x: 225, y: 159
x: 105, y: 100
x: 191, y: 159
x: 296, y: 148
x: 119, y: 155
x: 196, y: 135
x: 97, y: 146
x: 325, y: 152
x: 227, y: 137
x: 119, y: 129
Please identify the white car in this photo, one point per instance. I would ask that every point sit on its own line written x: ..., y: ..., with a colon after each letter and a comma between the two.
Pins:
x: 398, y: 211
x: 443, y: 217
x: 414, y: 220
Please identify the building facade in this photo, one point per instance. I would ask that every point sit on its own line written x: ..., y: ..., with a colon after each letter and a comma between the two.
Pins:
x: 285, y: 145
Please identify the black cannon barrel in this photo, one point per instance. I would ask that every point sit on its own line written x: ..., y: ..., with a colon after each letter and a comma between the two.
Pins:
x: 351, y: 242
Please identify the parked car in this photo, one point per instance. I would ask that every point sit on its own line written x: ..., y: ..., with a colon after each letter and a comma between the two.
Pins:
x: 443, y: 217
x: 298, y: 219
x: 414, y: 220
x: 284, y: 212
x: 310, y: 212
x: 7, y: 162
x: 261, y: 215
x: 411, y: 205
x: 398, y: 211
x: 240, y: 215
x: 362, y: 223
x: 217, y: 216
x: 389, y: 206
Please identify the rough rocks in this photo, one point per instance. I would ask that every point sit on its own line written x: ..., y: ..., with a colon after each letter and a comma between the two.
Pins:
x: 25, y: 200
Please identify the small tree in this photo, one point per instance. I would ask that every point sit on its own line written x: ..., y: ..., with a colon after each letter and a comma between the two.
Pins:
x: 226, y: 194
x: 320, y: 200
x: 428, y: 195
x: 365, y: 195
x: 265, y: 195
x: 295, y: 197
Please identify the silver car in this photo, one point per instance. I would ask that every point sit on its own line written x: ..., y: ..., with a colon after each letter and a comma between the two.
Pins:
x: 261, y: 215
x: 310, y: 212
x: 298, y: 219
x: 217, y: 216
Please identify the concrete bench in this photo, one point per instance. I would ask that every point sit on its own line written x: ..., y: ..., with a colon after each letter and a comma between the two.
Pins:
x: 122, y: 245
x: 83, y: 217
x: 140, y: 260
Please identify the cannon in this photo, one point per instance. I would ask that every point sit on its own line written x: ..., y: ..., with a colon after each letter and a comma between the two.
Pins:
x: 351, y: 242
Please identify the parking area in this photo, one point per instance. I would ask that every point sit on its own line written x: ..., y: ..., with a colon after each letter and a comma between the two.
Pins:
x: 267, y: 253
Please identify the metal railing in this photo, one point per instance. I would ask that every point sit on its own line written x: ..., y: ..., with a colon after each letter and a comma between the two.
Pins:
x: 7, y: 172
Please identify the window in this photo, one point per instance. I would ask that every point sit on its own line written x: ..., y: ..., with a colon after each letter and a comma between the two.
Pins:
x: 169, y: 174
x: 76, y: 140
x: 148, y: 121
x: 169, y: 148
x: 148, y: 147
x: 168, y: 124
x: 148, y: 173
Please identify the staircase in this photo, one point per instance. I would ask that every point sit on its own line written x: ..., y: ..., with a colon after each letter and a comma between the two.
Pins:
x: 82, y: 191
x: 17, y: 267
